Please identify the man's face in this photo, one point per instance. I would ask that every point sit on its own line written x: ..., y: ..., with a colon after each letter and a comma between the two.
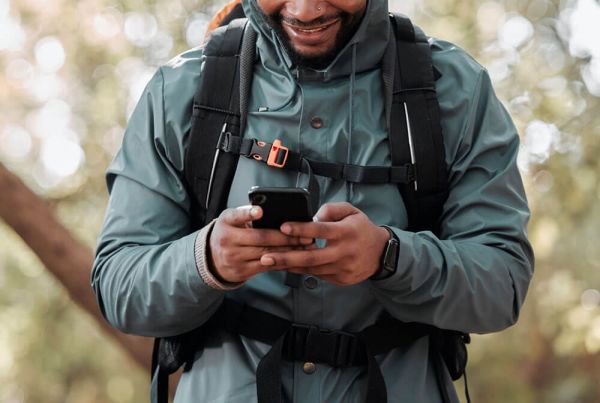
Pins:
x: 313, y: 31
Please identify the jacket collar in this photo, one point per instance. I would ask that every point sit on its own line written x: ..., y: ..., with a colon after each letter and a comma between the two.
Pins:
x: 369, y: 43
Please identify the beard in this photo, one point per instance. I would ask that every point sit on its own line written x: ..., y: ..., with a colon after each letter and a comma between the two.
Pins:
x: 348, y: 26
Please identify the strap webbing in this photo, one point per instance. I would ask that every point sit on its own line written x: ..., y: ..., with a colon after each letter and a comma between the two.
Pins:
x: 216, y: 108
x: 309, y: 343
x: 261, y: 151
x: 415, y: 128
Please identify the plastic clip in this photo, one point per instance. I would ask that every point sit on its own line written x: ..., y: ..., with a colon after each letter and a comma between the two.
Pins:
x: 278, y: 155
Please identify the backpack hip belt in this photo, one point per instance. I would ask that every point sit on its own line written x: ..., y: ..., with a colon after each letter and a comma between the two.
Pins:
x: 309, y: 343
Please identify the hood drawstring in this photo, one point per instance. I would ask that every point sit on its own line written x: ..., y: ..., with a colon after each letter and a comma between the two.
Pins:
x: 349, y: 186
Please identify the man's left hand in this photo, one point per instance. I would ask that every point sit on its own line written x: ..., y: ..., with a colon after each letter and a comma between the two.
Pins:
x: 354, y: 245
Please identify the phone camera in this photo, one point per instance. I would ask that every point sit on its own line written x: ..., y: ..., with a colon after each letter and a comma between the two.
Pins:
x: 259, y: 200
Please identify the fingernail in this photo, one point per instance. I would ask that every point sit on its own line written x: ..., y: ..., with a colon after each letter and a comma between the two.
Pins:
x: 267, y: 261
x: 286, y: 229
x: 316, y: 219
x: 254, y: 211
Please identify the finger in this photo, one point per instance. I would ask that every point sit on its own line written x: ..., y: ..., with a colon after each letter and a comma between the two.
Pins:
x: 335, y: 211
x: 304, y: 258
x: 248, y: 270
x: 268, y: 237
x: 324, y: 270
x: 319, y: 230
x: 240, y: 216
x: 247, y: 254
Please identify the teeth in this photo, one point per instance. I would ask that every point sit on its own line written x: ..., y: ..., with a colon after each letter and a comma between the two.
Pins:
x: 312, y: 30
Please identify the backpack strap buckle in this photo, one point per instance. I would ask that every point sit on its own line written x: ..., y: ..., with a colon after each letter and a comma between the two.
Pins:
x: 278, y: 155
x: 333, y: 347
x: 275, y: 154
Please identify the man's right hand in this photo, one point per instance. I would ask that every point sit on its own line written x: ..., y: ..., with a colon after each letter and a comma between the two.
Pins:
x: 235, y: 248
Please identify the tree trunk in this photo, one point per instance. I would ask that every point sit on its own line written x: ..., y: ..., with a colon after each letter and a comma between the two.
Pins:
x: 65, y: 257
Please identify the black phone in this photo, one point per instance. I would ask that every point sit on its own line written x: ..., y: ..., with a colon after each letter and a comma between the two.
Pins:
x: 280, y: 205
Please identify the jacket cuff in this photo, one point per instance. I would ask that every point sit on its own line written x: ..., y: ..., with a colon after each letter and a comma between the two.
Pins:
x: 202, y: 265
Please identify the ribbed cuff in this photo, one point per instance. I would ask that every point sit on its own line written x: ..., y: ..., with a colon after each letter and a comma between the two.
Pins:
x: 202, y: 261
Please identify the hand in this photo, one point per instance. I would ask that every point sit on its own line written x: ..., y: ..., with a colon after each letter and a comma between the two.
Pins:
x: 353, y: 251
x: 235, y: 248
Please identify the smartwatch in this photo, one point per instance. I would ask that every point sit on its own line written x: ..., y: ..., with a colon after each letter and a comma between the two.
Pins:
x: 389, y: 258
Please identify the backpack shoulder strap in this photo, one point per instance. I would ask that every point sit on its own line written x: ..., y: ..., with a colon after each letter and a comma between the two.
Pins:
x: 416, y: 137
x: 219, y: 108
x: 415, y: 128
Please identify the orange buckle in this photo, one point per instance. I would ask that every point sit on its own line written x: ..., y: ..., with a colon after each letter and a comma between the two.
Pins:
x: 274, y: 155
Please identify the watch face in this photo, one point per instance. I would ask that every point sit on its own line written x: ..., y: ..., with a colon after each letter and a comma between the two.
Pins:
x: 391, y: 255
x: 388, y: 263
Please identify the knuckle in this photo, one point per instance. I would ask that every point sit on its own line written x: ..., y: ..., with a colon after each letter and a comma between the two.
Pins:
x: 326, y: 209
x: 311, y: 260
x: 228, y: 255
x: 226, y: 215
x: 222, y: 240
x: 260, y: 237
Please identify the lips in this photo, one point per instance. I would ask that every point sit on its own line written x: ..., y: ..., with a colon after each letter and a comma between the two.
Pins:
x: 312, y: 36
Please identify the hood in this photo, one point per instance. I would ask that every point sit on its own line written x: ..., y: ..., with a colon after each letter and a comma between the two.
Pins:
x: 369, y: 41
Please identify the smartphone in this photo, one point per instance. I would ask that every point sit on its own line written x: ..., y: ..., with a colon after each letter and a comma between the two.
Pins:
x: 280, y: 205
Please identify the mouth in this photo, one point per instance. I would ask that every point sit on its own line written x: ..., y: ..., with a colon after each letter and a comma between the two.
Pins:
x: 312, y: 36
x: 311, y: 29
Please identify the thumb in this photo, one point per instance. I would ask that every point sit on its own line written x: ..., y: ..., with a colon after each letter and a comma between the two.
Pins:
x: 240, y: 216
x: 335, y: 212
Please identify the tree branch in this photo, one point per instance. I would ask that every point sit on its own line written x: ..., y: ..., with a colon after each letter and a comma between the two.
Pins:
x: 65, y: 257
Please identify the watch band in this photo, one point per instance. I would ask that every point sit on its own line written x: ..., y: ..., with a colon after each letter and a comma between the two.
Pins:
x: 389, y: 258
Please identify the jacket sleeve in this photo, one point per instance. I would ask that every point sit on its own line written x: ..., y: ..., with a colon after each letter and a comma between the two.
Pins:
x: 474, y: 277
x: 144, y: 274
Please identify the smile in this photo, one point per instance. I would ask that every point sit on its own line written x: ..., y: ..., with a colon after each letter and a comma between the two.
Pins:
x: 310, y: 30
x: 311, y: 36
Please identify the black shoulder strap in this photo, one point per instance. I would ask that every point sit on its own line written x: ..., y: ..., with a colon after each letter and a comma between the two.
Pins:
x: 218, y: 109
x: 208, y: 172
x: 415, y: 129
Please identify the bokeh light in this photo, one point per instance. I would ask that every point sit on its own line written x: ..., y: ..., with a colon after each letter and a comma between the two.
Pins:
x: 590, y: 299
x: 196, y: 28
x: 140, y: 28
x: 49, y: 54
x: 12, y: 35
x: 15, y: 142
x: 515, y: 32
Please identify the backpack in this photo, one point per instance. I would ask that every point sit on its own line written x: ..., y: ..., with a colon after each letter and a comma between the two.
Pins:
x: 418, y: 167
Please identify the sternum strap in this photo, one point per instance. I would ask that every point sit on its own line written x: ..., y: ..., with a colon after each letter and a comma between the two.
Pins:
x: 262, y: 151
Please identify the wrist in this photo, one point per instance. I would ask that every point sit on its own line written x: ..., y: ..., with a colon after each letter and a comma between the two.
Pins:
x: 205, y: 263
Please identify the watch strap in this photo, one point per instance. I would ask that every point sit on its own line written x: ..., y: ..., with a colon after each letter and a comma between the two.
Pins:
x: 389, y: 257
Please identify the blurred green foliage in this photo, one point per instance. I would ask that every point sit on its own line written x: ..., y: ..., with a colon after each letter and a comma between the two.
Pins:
x: 72, y: 71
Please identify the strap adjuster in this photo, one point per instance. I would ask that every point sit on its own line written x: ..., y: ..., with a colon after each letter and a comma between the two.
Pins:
x: 278, y: 155
x: 334, y: 347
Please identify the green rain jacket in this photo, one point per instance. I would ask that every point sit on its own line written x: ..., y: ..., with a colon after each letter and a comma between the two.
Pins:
x: 473, y: 278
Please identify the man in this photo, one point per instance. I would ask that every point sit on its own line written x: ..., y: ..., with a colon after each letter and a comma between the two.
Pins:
x: 155, y: 276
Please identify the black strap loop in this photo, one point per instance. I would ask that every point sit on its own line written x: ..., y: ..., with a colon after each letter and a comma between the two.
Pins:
x: 268, y: 374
